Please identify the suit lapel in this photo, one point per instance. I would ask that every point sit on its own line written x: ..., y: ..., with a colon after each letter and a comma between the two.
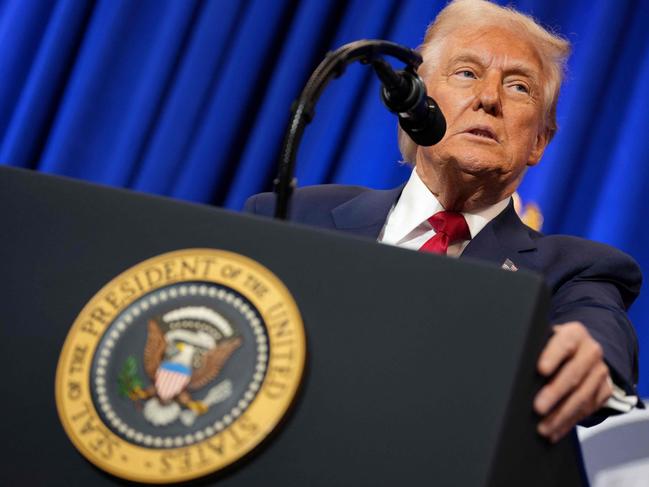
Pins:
x: 365, y: 214
x: 504, y: 237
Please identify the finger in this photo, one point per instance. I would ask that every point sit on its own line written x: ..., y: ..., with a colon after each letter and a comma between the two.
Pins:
x: 561, y: 345
x: 569, y: 376
x: 583, y: 402
x: 605, y: 391
x: 570, y: 411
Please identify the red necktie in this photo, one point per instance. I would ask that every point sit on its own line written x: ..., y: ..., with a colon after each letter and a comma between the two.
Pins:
x: 450, y: 227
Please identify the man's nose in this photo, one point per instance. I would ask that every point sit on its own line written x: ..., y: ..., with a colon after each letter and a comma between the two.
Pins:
x: 488, y: 94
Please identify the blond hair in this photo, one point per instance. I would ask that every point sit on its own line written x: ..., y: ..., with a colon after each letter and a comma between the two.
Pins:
x: 552, y: 49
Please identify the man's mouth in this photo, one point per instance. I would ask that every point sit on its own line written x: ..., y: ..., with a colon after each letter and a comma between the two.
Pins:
x: 484, y: 132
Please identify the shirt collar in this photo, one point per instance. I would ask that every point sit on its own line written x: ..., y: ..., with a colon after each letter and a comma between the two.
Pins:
x: 416, y: 204
x: 479, y: 219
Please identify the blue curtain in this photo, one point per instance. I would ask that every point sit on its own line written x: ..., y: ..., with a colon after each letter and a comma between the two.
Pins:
x: 190, y: 99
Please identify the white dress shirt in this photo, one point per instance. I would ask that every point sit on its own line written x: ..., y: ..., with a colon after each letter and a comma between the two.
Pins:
x: 407, y: 223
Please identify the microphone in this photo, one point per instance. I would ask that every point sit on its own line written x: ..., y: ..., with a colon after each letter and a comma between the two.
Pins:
x: 404, y: 93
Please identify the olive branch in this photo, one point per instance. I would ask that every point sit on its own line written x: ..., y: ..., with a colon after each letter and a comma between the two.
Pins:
x: 128, y: 378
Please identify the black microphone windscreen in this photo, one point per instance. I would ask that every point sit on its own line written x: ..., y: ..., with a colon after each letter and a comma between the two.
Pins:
x: 425, y: 131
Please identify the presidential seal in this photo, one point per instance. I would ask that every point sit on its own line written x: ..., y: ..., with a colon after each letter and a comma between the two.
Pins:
x: 180, y: 366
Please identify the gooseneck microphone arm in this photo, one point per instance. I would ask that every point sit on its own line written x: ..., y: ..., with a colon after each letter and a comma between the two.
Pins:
x: 403, y: 93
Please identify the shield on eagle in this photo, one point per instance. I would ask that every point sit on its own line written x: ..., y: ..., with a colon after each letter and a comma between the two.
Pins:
x: 171, y: 379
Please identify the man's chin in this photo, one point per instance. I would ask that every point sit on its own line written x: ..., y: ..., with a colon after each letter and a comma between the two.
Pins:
x: 479, y: 165
x: 468, y: 163
x: 471, y: 158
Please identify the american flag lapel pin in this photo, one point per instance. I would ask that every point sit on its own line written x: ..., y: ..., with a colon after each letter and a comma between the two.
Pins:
x: 508, y: 265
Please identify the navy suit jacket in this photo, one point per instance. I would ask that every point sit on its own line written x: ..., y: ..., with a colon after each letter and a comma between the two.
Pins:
x: 590, y: 282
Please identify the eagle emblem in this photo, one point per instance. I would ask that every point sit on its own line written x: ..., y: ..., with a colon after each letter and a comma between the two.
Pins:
x: 180, y: 361
x: 169, y: 382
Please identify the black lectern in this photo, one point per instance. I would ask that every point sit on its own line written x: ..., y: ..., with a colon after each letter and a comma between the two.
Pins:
x: 405, y: 383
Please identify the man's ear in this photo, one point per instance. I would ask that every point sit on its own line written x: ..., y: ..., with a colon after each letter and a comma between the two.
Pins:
x: 541, y: 142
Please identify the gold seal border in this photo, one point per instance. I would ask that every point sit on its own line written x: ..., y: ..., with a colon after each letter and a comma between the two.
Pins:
x: 286, y: 359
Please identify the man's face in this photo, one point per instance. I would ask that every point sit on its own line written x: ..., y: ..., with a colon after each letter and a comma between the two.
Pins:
x: 488, y: 83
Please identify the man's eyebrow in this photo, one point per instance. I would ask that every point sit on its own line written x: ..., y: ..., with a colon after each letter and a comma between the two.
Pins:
x: 466, y: 57
x: 524, y: 69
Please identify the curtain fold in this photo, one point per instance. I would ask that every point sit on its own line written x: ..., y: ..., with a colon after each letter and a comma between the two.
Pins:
x: 22, y: 26
x: 190, y: 99
x: 42, y: 87
x: 231, y: 110
x: 181, y: 116
x: 337, y: 111
x: 291, y: 71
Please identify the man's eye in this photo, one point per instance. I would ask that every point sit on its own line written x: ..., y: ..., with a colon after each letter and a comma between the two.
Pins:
x: 521, y: 88
x: 465, y: 73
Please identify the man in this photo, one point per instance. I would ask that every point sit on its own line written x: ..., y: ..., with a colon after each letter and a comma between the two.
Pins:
x: 496, y: 75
